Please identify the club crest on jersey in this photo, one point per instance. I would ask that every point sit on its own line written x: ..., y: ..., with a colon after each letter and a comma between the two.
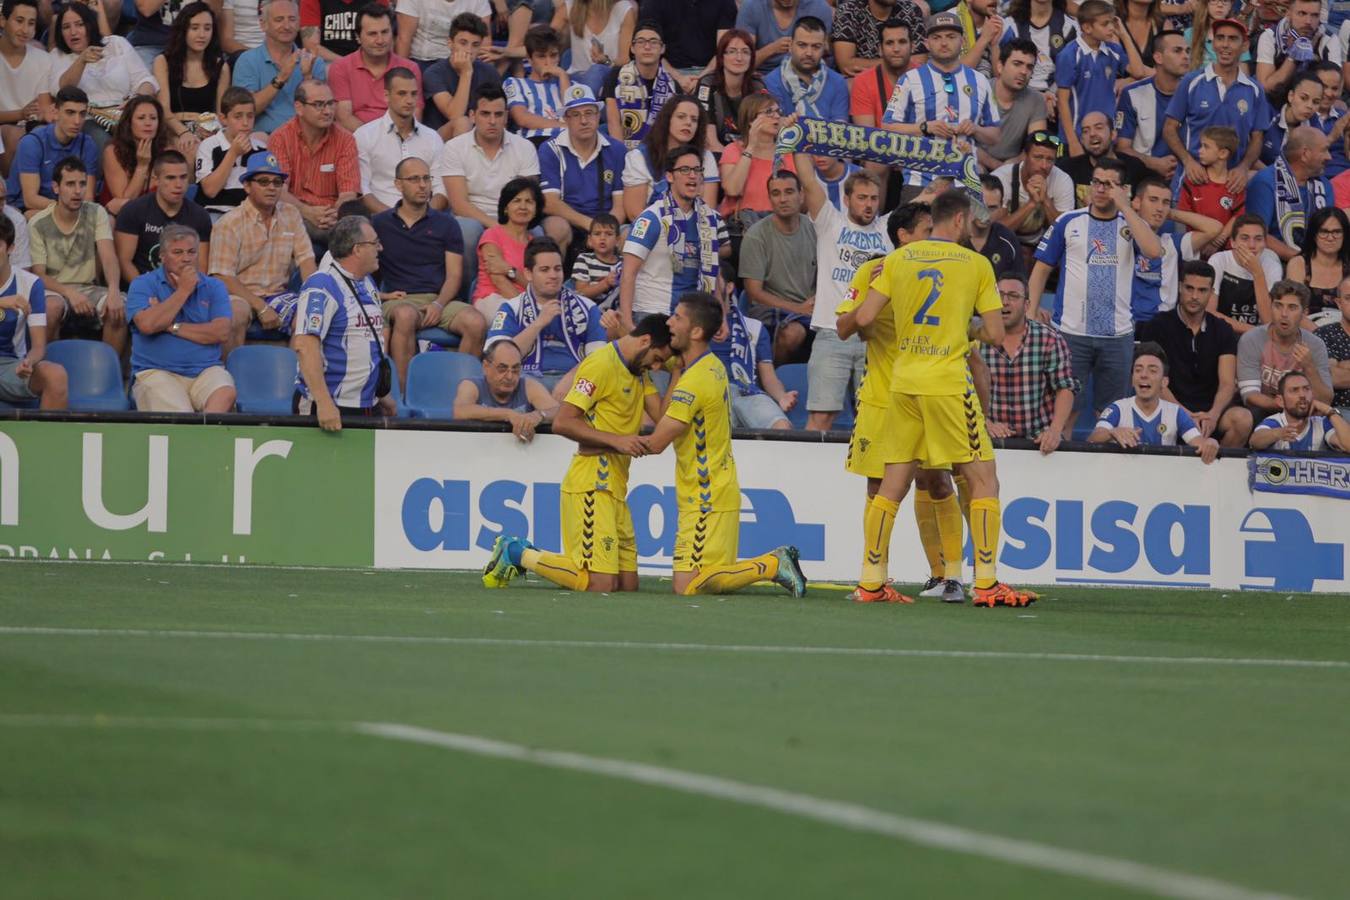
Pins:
x: 1162, y: 428
x: 1125, y: 232
x: 1057, y: 41
x: 1242, y: 107
x: 584, y: 386
x: 967, y: 90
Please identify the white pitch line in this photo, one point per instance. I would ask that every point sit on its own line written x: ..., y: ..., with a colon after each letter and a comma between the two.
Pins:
x: 920, y: 832
x: 895, y: 652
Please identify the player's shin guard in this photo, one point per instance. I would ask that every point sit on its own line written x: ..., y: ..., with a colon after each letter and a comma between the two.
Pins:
x: 930, y: 532
x: 877, y: 525
x: 948, y: 514
x: 985, y: 524
x: 733, y: 576
x: 556, y: 568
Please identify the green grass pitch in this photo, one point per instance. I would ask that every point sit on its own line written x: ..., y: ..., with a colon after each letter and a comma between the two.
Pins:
x: 1098, y: 725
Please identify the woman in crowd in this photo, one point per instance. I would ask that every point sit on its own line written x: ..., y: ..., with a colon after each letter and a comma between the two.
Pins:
x: 141, y: 135
x: 1139, y: 24
x: 680, y: 122
x: 192, y: 75
x: 1323, y: 261
x: 1200, y: 35
x: 601, y: 33
x: 721, y: 91
x: 748, y: 163
x: 104, y: 66
x: 501, y: 251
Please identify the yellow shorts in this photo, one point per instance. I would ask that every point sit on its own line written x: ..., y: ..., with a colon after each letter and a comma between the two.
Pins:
x: 939, y: 431
x: 705, y: 539
x: 598, y: 532
x: 873, y: 435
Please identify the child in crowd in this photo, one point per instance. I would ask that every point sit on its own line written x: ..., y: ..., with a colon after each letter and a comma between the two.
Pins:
x: 599, y: 268
x: 535, y: 101
x: 1218, y: 143
x: 221, y: 158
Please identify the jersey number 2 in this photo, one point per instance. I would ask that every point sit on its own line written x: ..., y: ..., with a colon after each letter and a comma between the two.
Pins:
x: 921, y: 317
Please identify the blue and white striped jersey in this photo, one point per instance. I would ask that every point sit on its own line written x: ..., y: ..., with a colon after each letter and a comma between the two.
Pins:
x: 543, y: 98
x: 14, y: 324
x: 1139, y: 118
x: 1155, y: 279
x: 343, y: 323
x: 1168, y: 426
x: 1095, y: 258
x: 928, y: 94
x: 1317, y: 433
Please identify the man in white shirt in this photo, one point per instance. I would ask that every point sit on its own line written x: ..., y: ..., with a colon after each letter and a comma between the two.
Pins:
x: 1035, y: 190
x: 844, y: 241
x: 382, y: 144
x: 473, y: 168
x: 25, y: 76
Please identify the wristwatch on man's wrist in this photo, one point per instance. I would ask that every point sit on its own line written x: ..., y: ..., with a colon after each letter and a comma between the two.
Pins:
x: 175, y: 328
x: 923, y: 128
x: 278, y: 83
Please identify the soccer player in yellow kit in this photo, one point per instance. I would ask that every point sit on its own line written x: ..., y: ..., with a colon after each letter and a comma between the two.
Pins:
x: 698, y: 422
x: 602, y: 412
x: 932, y: 289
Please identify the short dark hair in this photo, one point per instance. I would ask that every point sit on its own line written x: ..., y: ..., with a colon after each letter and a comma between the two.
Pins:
x: 468, y: 22
x: 1197, y: 267
x: 681, y: 150
x: 6, y: 232
x: 604, y: 220
x: 373, y: 11
x: 1091, y: 10
x: 655, y: 327
x: 513, y: 189
x: 69, y: 164
x: 950, y: 204
x: 1148, y: 181
x: 538, y: 247
x: 1286, y: 287
x: 487, y: 92
x: 704, y: 311
x: 1019, y: 45
x: 990, y: 183
x: 1151, y: 348
x: 541, y: 39
x: 887, y: 25
x: 1167, y: 32
x: 650, y: 25
x: 72, y: 94
x: 1292, y: 373
x: 1246, y: 219
x: 787, y: 175
x: 1110, y: 165
x: 236, y: 96
x: 395, y: 73
x: 1306, y: 75
x: 812, y: 24
x: 906, y: 216
x: 9, y: 6
x: 167, y: 158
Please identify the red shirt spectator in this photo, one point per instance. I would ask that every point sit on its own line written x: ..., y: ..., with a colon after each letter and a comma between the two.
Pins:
x: 1212, y: 199
x: 351, y: 80
x: 869, y: 95
x: 1340, y: 187
x: 319, y: 173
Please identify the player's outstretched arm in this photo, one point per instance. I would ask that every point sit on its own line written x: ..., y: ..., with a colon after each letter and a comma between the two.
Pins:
x: 667, y: 430
x: 987, y: 329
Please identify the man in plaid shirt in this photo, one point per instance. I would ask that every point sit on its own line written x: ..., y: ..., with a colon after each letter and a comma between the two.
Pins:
x: 1031, y: 377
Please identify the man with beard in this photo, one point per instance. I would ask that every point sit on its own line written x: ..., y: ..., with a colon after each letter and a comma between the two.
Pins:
x: 1267, y: 352
x: 1303, y: 423
x: 602, y: 412
x: 1099, y: 142
x: 1020, y: 109
x: 1146, y: 419
x: 860, y: 32
x: 802, y: 83
x: 1143, y: 106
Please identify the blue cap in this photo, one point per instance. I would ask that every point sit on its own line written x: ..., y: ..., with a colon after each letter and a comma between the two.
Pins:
x: 262, y: 162
x: 578, y: 96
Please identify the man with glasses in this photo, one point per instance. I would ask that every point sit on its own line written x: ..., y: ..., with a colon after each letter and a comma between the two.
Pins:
x: 692, y: 28
x: 1336, y: 335
x: 942, y: 98
x: 255, y: 248
x: 1094, y: 250
x: 634, y: 93
x: 319, y: 159
x: 1035, y: 190
x: 581, y: 172
x: 503, y: 394
x: 1031, y: 383
x: 385, y: 142
x: 421, y: 260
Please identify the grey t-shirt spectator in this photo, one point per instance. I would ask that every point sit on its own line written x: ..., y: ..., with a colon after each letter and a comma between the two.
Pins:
x: 1014, y: 123
x: 786, y: 263
x: 1261, y: 363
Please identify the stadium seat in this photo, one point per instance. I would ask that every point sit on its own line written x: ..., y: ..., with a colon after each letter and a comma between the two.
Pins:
x: 439, y: 336
x: 793, y: 377
x: 433, y: 379
x: 94, y: 373
x: 264, y: 378
x: 847, y: 416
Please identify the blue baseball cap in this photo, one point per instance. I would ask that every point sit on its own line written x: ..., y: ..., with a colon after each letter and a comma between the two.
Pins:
x: 262, y: 162
x: 578, y: 96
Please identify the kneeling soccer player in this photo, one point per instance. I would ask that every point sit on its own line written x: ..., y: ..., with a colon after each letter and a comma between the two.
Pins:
x: 602, y: 412
x: 698, y: 422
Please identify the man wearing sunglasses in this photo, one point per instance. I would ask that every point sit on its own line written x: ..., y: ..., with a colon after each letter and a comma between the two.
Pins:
x: 1035, y: 192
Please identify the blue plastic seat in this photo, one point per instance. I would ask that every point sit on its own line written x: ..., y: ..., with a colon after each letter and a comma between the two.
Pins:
x: 94, y: 374
x: 433, y: 379
x: 264, y: 378
x: 794, y: 378
x: 439, y: 336
x: 848, y: 415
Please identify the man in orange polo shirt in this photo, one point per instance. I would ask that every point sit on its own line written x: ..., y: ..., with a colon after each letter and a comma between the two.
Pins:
x: 320, y: 159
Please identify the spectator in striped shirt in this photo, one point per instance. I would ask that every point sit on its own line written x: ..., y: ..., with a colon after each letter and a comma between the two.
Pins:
x: 1031, y: 379
x: 599, y: 268
x: 535, y: 102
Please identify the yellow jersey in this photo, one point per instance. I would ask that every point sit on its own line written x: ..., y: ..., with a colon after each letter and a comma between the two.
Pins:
x: 935, y: 288
x: 610, y: 396
x: 705, y: 471
x: 879, y: 362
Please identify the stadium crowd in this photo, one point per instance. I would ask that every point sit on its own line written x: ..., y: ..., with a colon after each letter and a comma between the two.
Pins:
x: 1163, y: 190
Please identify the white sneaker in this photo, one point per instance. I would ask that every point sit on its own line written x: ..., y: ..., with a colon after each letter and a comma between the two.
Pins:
x: 933, y: 587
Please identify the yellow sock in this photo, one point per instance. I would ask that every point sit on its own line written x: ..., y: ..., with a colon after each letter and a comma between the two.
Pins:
x: 963, y: 494
x: 733, y: 576
x: 877, y: 525
x: 985, y: 522
x: 930, y: 537
x: 556, y: 568
x: 947, y: 512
